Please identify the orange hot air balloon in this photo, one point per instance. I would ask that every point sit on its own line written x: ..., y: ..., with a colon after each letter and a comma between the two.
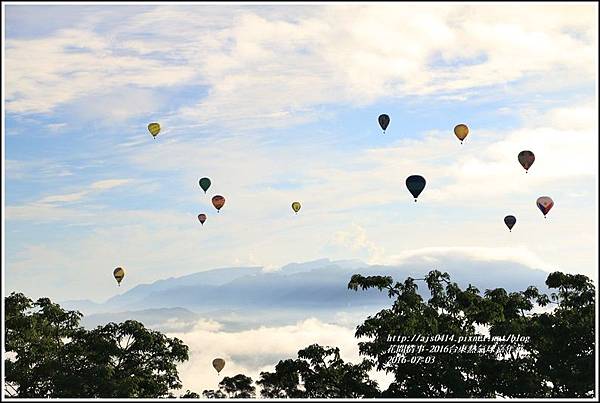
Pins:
x: 202, y: 218
x: 218, y: 201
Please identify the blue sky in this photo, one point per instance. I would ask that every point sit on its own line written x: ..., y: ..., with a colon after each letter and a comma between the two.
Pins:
x: 280, y: 103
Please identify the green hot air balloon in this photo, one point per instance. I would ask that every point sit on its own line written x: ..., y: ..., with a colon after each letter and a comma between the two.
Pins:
x: 204, y: 184
x: 296, y: 207
x: 415, y: 185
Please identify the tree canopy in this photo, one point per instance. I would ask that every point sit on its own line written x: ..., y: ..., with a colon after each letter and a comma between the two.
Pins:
x: 50, y: 355
x: 319, y: 372
x: 238, y: 386
x: 556, y: 360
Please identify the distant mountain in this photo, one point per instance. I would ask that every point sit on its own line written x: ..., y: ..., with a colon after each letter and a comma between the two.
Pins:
x: 310, y: 286
x: 205, y: 279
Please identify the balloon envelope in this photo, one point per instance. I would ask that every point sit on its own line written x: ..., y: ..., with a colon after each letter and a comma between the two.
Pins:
x: 510, y: 221
x: 415, y: 185
x: 154, y: 129
x: 119, y: 273
x: 545, y: 203
x: 218, y: 201
x: 204, y: 184
x: 296, y: 206
x: 384, y: 121
x: 218, y: 364
x: 526, y: 159
x: 202, y: 218
x: 461, y: 131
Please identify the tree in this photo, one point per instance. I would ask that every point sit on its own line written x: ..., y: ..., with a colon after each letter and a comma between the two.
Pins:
x: 239, y: 386
x: 561, y: 346
x: 35, y: 335
x: 213, y: 394
x: 319, y: 372
x: 190, y: 395
x: 283, y: 383
x: 50, y: 355
x: 557, y: 358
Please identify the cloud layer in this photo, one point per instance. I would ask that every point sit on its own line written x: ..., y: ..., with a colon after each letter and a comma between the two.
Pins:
x: 252, y: 351
x: 288, y: 64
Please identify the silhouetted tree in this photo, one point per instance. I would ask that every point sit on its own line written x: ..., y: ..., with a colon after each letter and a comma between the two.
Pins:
x: 239, y: 386
x: 213, y: 394
x: 190, y: 395
x: 560, y: 350
x: 283, y: 383
x: 557, y: 359
x: 319, y: 372
x: 50, y: 355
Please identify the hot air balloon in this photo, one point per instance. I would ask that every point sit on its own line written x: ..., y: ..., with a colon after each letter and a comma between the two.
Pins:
x: 202, y: 218
x: 296, y: 207
x: 204, y: 184
x: 384, y: 121
x: 461, y: 131
x: 545, y: 203
x: 218, y: 364
x: 510, y: 221
x: 526, y: 159
x: 218, y: 201
x: 119, y: 273
x: 415, y: 185
x: 154, y: 129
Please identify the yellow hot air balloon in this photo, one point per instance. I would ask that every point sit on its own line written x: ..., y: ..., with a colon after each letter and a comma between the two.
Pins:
x: 296, y: 207
x: 218, y: 364
x: 461, y: 131
x: 154, y: 129
x: 119, y: 273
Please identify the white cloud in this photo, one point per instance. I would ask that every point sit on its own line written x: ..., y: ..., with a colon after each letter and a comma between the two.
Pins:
x: 35, y: 169
x: 252, y: 351
x: 77, y: 63
x: 43, y: 212
x: 518, y: 254
x: 51, y: 207
x: 108, y: 184
x: 275, y: 66
x: 289, y: 67
x: 55, y: 127
x: 65, y: 198
x: 357, y: 240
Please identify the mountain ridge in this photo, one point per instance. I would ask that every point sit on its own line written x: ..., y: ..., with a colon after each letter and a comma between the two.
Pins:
x: 315, y: 284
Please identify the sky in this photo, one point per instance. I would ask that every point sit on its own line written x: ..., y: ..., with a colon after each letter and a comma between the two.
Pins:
x: 279, y: 103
